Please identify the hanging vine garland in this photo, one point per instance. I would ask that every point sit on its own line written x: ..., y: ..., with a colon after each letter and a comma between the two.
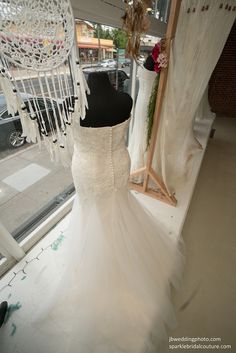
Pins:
x: 160, y: 61
x: 151, y: 108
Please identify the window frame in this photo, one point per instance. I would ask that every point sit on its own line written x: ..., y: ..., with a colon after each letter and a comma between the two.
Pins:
x: 37, y: 234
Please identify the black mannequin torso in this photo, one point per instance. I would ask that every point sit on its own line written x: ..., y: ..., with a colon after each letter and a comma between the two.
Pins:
x: 149, y: 63
x: 107, y: 107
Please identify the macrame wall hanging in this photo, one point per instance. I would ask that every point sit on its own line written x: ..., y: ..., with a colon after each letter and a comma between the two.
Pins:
x: 40, y: 74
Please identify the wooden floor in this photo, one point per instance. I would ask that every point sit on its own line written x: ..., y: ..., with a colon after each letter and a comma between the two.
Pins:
x: 206, y: 302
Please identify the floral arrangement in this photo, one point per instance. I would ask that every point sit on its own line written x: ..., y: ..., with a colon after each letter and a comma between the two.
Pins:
x: 159, y: 57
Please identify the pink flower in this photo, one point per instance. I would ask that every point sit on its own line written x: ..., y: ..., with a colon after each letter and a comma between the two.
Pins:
x: 157, y: 68
x: 155, y: 54
x: 160, y: 58
x: 156, y: 51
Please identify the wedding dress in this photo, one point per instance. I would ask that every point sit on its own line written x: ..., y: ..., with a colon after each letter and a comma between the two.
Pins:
x: 138, y: 137
x: 113, y: 291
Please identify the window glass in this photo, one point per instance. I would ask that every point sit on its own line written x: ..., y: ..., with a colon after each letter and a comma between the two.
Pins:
x: 160, y: 9
x: 39, y: 104
x: 5, y: 115
x: 102, y: 48
x: 32, y: 187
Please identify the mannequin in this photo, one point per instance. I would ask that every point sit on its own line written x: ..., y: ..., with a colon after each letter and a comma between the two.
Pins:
x: 117, y: 105
x: 149, y: 63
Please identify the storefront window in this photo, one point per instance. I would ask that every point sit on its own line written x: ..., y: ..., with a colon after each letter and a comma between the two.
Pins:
x: 160, y: 9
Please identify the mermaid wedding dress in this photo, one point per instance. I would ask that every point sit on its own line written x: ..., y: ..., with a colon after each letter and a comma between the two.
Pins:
x: 113, y: 292
x: 138, y: 137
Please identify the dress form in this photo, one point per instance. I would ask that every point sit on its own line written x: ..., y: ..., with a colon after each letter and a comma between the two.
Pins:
x: 107, y: 106
x: 138, y: 138
x: 149, y: 63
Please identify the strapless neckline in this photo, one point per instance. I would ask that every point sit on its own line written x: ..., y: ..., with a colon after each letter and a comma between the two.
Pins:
x: 106, y: 127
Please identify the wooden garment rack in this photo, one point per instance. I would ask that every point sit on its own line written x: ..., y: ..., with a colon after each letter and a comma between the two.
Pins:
x: 160, y: 192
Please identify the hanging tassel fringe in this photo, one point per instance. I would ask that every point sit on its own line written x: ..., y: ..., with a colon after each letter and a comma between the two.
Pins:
x: 61, y: 140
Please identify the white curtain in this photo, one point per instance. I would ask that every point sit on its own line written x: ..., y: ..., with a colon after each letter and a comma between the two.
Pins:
x: 204, y: 110
x: 203, y: 113
x: 8, y: 246
x: 202, y: 30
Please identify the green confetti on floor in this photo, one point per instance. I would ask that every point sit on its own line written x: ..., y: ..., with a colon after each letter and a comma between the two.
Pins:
x: 55, y: 245
x: 13, y: 329
x: 9, y: 296
x: 10, y: 310
x: 23, y: 278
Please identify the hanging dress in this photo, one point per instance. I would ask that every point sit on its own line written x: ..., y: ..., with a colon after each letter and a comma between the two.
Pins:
x: 138, y: 137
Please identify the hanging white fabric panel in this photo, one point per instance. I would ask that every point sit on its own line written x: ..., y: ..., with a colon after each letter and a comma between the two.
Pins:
x: 204, y: 109
x: 202, y: 30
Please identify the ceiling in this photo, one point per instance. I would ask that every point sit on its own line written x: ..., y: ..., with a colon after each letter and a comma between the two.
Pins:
x: 109, y: 12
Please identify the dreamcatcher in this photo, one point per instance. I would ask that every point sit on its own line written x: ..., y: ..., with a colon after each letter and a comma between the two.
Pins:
x: 39, y: 58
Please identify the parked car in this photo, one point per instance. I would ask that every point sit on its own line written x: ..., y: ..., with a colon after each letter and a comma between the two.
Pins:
x: 10, y: 126
x: 127, y: 62
x: 115, y: 75
x: 108, y: 63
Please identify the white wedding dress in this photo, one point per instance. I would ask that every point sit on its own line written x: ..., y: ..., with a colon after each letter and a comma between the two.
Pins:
x: 138, y: 136
x: 113, y: 293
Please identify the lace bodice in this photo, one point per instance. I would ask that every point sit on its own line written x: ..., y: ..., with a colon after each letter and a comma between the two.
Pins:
x: 100, y: 161
x: 146, y: 79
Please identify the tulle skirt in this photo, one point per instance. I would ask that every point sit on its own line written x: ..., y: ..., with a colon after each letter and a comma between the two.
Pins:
x: 111, y: 291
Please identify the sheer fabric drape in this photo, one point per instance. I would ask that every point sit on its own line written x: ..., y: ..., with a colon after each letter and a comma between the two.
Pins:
x: 202, y: 30
x: 204, y: 110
